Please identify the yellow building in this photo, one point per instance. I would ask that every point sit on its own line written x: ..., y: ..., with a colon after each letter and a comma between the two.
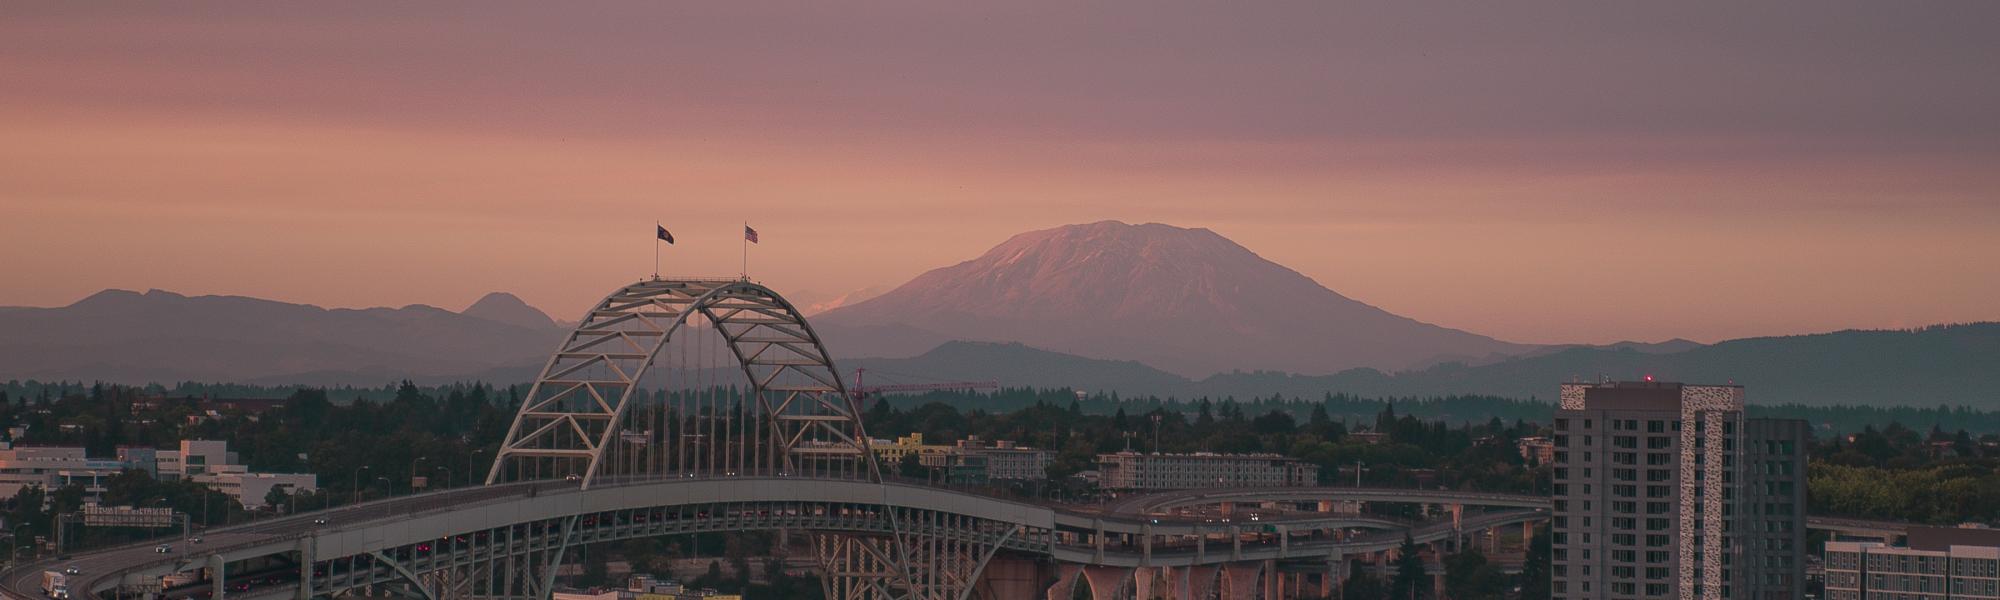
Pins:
x: 893, y: 453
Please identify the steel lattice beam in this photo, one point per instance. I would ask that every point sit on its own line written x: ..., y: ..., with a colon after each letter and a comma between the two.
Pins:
x: 579, y: 404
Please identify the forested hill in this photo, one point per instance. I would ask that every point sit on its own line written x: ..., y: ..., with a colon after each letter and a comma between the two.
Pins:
x: 1941, y: 365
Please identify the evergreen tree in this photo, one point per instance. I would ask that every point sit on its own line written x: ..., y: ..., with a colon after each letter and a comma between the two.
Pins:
x: 1411, y: 582
x: 1535, y: 569
x: 1361, y: 585
x: 1467, y: 576
x: 1318, y: 420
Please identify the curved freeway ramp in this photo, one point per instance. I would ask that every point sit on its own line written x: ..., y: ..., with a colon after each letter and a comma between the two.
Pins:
x: 411, y: 538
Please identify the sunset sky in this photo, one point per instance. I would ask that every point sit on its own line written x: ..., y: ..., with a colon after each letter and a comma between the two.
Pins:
x: 1536, y: 172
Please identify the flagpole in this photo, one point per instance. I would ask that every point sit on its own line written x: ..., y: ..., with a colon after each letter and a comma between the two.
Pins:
x: 656, y: 250
x: 746, y: 251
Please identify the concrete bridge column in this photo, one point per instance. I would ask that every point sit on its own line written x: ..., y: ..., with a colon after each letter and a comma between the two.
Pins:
x: 1240, y: 579
x: 1146, y: 544
x: 1174, y: 581
x: 1143, y: 580
x: 305, y: 569
x: 1097, y: 537
x: 1010, y: 578
x: 1065, y: 585
x: 1235, y: 542
x: 1200, y: 545
x: 217, y: 581
x: 1334, y: 577
x: 1201, y: 582
x: 1108, y: 583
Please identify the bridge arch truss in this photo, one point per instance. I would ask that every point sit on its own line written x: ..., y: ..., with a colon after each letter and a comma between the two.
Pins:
x: 590, y: 416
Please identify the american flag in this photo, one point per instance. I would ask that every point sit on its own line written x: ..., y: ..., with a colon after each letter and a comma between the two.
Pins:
x: 749, y: 234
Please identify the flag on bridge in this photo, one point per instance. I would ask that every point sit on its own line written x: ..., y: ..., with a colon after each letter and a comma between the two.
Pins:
x: 664, y: 235
x: 749, y: 234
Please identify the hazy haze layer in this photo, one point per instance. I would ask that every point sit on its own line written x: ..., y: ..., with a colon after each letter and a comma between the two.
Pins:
x: 1535, y: 173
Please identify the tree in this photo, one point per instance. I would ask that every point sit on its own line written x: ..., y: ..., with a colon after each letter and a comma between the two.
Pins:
x: 1273, y: 422
x: 911, y: 466
x: 1535, y: 570
x: 1467, y: 576
x: 1361, y: 585
x: 1411, y: 580
x: 275, y: 499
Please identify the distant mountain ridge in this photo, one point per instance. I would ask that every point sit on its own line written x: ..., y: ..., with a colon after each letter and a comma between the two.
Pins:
x: 157, y: 336
x: 508, y: 308
x: 160, y: 336
x: 1946, y: 364
x: 1185, y: 300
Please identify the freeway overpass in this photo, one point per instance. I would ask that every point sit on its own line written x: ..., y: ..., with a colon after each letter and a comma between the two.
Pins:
x: 405, y: 539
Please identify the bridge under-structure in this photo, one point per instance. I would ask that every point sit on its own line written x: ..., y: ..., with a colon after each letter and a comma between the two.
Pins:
x: 600, y: 452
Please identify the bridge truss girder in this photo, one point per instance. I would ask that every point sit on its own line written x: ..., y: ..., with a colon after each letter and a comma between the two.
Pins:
x: 929, y: 555
x: 580, y: 418
x: 898, y: 553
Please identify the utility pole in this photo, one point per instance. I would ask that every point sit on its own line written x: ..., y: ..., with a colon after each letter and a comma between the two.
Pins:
x: 1156, y: 432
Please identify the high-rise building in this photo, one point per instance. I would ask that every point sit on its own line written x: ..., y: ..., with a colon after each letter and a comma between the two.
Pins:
x: 1665, y: 490
x: 1938, y: 563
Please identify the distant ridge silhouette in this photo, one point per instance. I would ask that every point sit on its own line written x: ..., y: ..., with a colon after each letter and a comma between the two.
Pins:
x: 159, y: 336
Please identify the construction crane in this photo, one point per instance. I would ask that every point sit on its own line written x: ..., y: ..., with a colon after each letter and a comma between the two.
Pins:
x: 861, y: 392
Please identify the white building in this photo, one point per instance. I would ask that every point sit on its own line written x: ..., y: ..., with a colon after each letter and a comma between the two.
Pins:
x: 1938, y: 563
x: 1007, y: 461
x: 207, y: 461
x: 51, y: 467
x: 1154, y: 471
x: 194, y: 457
x: 250, y: 489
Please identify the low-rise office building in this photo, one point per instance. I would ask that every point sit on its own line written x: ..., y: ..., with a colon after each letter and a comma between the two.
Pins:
x: 1007, y: 461
x: 1938, y: 563
x: 969, y: 461
x: 51, y: 467
x: 207, y: 461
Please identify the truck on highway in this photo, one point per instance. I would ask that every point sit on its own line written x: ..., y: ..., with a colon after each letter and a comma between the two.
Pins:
x: 174, y: 580
x: 55, y: 584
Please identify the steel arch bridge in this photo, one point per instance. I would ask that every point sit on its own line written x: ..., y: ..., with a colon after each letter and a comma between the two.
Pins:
x: 588, y: 417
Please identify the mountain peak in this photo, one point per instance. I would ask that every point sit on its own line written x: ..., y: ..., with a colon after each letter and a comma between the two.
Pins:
x: 508, y: 308
x: 1185, y: 299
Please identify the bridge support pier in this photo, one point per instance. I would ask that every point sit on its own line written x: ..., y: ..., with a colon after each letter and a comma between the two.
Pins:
x: 1065, y: 585
x: 1201, y: 582
x: 1109, y: 583
x: 305, y: 569
x: 1330, y: 583
x: 216, y: 577
x: 1241, y: 580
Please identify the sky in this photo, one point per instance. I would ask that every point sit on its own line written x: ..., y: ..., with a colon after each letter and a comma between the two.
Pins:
x: 1537, y: 172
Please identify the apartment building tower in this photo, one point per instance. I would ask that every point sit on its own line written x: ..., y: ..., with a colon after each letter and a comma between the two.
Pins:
x: 1666, y: 490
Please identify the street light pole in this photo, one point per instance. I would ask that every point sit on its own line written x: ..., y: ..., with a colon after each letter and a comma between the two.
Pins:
x: 472, y: 464
x: 357, y: 483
